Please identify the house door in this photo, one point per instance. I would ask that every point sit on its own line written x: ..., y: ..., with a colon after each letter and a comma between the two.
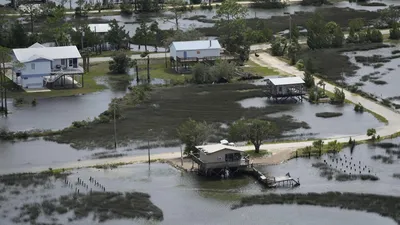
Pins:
x: 70, y: 62
x: 185, y: 55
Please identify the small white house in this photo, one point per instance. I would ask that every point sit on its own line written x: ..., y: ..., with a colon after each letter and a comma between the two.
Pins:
x: 195, y: 49
x: 36, y: 65
x: 220, y: 156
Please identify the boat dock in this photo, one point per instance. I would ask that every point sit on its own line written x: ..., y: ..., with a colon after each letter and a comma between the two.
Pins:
x: 271, y: 182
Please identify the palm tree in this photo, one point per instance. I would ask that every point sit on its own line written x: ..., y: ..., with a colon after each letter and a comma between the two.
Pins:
x: 319, y: 144
x: 322, y: 84
x: 307, y: 150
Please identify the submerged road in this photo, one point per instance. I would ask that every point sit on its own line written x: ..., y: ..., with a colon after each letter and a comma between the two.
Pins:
x: 280, y: 151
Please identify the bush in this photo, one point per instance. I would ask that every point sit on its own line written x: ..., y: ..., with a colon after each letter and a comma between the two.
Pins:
x: 328, y: 114
x: 375, y: 36
x: 221, y: 72
x: 338, y: 96
x: 371, y: 133
x: 120, y: 63
x: 126, y: 8
x: 300, y: 65
x: 395, y: 31
x: 359, y: 108
x: 309, y: 80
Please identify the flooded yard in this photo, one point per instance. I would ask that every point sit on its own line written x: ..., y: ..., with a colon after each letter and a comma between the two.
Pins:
x: 351, y: 123
x: 193, y: 199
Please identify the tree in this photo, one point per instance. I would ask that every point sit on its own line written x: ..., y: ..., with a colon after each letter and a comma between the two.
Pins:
x: 334, y: 146
x: 126, y: 8
x: 120, y: 63
x: 230, y: 10
x: 4, y: 58
x: 222, y: 71
x: 338, y: 96
x: 319, y: 144
x: 58, y: 28
x: 308, y: 80
x: 4, y: 26
x: 146, y: 34
x: 390, y: 15
x: 338, y: 38
x: 395, y: 31
x: 192, y: 133
x: 293, y: 49
x: 80, y: 10
x: 307, y: 151
x: 294, y: 32
x: 253, y: 130
x: 356, y: 24
x: 83, y: 33
x: 18, y: 38
x: 371, y: 133
x: 375, y: 36
x: 278, y: 47
x: 178, y: 8
x: 322, y: 84
x: 117, y: 36
x: 31, y: 13
x: 317, y: 35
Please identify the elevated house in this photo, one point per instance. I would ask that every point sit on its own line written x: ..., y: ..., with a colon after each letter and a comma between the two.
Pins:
x: 283, y: 88
x: 38, y: 67
x: 219, y: 159
x: 185, y: 53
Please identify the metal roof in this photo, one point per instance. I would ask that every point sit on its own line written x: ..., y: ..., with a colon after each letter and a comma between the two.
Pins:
x: 37, y: 45
x: 196, y: 45
x: 286, y: 80
x: 209, y: 149
x: 100, y: 28
x: 49, y: 53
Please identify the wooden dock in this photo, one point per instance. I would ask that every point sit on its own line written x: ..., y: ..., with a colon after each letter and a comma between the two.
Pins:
x: 271, y: 182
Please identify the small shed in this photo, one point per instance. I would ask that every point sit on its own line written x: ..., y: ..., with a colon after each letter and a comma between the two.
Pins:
x: 283, y: 88
x: 219, y: 158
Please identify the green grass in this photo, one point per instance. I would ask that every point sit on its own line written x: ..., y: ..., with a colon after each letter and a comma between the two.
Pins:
x: 253, y: 154
x: 158, y: 70
x: 253, y: 67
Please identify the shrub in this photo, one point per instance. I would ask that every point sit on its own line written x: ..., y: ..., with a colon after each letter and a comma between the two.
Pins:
x: 120, y: 63
x: 300, y: 65
x: 328, y: 114
x: 371, y: 133
x: 338, y: 96
x: 359, y: 108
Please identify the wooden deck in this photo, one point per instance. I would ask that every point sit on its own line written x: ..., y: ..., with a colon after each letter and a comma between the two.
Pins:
x: 271, y: 182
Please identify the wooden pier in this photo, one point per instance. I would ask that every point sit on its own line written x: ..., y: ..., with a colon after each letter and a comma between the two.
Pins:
x: 271, y: 182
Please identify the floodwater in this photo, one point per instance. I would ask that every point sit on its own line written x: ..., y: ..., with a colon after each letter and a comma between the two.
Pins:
x: 351, y: 123
x: 387, y: 72
x: 35, y: 153
x: 312, y: 182
x: 187, y: 199
x: 57, y: 113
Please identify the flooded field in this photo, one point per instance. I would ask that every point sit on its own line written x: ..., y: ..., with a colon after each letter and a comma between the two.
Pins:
x: 377, y: 76
x: 351, y: 123
x: 194, y: 199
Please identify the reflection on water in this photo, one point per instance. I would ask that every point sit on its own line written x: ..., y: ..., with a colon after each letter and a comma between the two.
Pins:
x: 351, y: 123
x: 179, y: 196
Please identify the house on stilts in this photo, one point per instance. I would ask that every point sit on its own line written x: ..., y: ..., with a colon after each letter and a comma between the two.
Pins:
x: 283, y: 88
x: 219, y: 160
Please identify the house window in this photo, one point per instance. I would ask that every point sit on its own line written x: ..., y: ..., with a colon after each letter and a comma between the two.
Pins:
x: 231, y: 157
x: 280, y: 89
x: 33, y: 66
x: 70, y: 62
x: 63, y: 62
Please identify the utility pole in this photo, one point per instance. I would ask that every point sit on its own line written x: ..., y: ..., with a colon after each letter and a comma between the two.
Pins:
x: 181, y: 155
x: 115, y: 129
x: 148, y: 69
x: 148, y: 145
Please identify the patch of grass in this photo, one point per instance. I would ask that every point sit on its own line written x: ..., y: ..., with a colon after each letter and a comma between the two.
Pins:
x: 384, y: 205
x: 160, y: 71
x: 396, y: 175
x: 104, y: 205
x: 166, y: 108
x: 379, y: 82
x: 385, y: 159
x: 35, y: 179
x: 112, y: 53
x: 261, y: 154
x: 328, y: 114
x: 256, y: 69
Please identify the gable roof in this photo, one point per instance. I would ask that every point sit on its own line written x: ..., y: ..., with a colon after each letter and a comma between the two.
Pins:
x: 210, y: 149
x: 98, y: 27
x: 196, y: 45
x: 36, y: 45
x: 286, y: 80
x: 49, y: 53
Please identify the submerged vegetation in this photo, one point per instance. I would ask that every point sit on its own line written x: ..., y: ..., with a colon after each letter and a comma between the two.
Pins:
x: 328, y: 114
x: 388, y: 206
x: 104, y: 206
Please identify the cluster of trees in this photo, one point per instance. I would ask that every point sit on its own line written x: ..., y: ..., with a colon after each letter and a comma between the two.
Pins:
x: 390, y: 17
x: 269, y: 4
x: 358, y: 34
x: 235, y: 35
x: 221, y: 71
x: 321, y: 34
x: 193, y: 133
x: 121, y: 63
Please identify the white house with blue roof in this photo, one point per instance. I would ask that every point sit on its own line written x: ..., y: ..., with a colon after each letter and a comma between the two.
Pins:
x: 38, y: 66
